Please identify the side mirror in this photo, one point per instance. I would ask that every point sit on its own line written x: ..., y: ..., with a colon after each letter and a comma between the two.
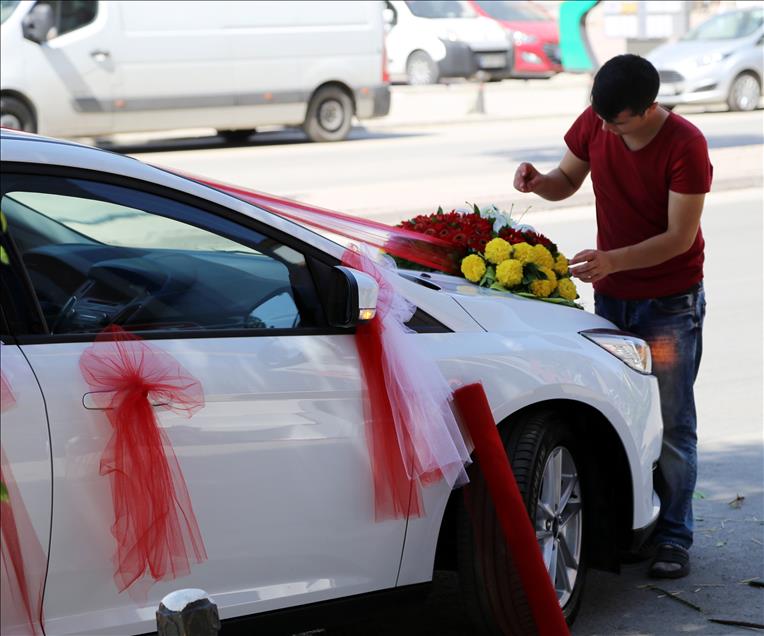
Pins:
x: 38, y: 23
x: 352, y: 297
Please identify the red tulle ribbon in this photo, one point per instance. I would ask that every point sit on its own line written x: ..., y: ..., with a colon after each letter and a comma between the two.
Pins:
x: 154, y: 524
x: 510, y: 511
x: 22, y: 559
x: 428, y: 251
x: 396, y: 494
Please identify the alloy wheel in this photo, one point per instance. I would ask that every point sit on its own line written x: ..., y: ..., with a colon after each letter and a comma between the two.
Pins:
x: 559, y: 521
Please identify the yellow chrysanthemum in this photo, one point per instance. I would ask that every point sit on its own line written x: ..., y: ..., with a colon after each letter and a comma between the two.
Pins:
x: 510, y: 272
x: 543, y: 288
x: 497, y: 250
x: 473, y: 267
x: 560, y: 265
x: 543, y: 257
x: 523, y: 252
x: 567, y: 289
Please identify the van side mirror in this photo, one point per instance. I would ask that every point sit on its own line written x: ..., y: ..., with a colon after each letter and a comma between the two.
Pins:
x: 389, y: 17
x: 352, y: 297
x: 38, y: 23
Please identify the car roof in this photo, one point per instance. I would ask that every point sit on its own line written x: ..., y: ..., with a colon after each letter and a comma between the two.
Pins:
x: 22, y: 147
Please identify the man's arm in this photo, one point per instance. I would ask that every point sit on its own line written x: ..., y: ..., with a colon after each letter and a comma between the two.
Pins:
x: 558, y: 184
x: 684, y: 212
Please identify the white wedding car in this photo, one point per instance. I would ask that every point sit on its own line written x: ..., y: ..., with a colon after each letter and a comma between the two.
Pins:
x: 276, y: 463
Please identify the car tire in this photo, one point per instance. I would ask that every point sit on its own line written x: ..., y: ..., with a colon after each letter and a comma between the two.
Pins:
x: 15, y: 114
x: 233, y: 136
x: 744, y: 93
x: 330, y: 115
x: 542, y: 452
x: 421, y: 70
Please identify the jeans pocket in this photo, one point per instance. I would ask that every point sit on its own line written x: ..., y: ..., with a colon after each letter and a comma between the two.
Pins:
x: 675, y: 305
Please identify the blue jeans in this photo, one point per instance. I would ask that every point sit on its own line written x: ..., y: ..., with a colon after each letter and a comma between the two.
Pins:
x: 673, y: 326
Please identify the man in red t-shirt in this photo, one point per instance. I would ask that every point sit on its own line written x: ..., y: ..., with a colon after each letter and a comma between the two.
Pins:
x: 650, y: 172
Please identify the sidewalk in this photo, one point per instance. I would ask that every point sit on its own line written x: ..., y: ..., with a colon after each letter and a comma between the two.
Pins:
x: 565, y: 94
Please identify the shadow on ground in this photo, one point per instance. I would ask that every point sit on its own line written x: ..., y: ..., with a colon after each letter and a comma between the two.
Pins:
x: 269, y: 138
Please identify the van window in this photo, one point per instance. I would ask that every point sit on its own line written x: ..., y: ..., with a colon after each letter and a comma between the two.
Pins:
x: 440, y: 9
x: 72, y: 14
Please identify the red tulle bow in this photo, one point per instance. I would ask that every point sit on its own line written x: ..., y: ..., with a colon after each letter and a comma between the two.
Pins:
x: 23, y: 562
x: 154, y: 523
x: 396, y: 494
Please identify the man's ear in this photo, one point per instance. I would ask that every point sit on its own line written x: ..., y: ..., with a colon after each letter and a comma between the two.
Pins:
x: 651, y: 108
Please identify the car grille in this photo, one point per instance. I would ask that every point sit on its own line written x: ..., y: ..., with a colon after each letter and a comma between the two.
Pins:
x: 552, y: 51
x: 670, y: 76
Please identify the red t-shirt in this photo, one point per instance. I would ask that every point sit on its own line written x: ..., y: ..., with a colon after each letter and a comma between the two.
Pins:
x: 632, y: 189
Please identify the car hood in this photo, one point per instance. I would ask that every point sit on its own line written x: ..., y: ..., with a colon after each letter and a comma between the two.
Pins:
x: 498, y: 311
x: 676, y: 53
x: 476, y: 31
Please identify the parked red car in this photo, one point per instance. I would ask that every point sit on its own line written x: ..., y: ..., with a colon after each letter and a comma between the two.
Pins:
x: 534, y: 31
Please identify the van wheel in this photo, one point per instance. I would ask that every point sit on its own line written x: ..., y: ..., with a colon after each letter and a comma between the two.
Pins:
x: 548, y: 468
x: 15, y: 114
x: 744, y: 93
x: 330, y: 114
x: 420, y: 69
x: 236, y: 135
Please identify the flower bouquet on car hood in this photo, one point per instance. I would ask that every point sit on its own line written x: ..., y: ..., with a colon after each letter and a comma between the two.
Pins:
x: 500, y: 253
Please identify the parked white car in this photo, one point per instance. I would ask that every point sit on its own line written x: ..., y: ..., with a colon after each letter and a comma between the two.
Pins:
x: 720, y: 60
x: 276, y: 463
x: 428, y: 41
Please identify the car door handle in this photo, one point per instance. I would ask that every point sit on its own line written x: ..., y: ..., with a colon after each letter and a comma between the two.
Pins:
x: 95, y: 400
x: 100, y: 55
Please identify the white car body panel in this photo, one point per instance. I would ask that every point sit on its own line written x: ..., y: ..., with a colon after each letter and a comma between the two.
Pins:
x: 26, y: 446
x: 276, y: 462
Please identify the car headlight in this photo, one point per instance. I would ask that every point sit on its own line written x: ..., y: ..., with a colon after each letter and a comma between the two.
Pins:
x: 631, y: 350
x: 711, y: 58
x: 523, y: 38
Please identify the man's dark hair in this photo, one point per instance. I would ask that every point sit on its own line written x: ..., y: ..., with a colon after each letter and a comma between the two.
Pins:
x: 625, y: 82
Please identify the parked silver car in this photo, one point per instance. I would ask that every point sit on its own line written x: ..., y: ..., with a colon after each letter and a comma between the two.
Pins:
x: 721, y: 60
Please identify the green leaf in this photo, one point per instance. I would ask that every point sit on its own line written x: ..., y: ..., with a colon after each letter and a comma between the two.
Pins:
x: 440, y: 210
x: 3, y: 222
x: 499, y: 287
x: 489, y: 277
x: 698, y: 495
x: 4, y: 256
x: 3, y: 492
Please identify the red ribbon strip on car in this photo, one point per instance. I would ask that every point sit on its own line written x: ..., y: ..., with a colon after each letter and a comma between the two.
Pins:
x: 510, y: 510
x: 428, y: 251
x: 22, y: 559
x: 154, y: 523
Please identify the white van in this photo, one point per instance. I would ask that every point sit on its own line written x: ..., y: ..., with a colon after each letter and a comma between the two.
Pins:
x: 432, y: 39
x: 87, y: 68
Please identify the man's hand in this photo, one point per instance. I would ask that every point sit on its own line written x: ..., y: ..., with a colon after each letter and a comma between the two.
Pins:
x: 593, y: 265
x: 527, y: 178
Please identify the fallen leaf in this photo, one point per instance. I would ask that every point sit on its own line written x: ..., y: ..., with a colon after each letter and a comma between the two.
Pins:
x: 698, y: 495
x: 675, y: 596
x: 720, y: 544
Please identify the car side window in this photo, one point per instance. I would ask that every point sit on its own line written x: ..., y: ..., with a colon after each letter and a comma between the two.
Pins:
x: 99, y: 254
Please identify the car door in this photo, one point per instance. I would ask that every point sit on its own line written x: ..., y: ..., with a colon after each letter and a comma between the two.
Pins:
x: 276, y: 461
x: 77, y: 64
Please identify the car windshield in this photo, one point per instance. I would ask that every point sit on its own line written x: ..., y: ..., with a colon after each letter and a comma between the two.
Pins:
x: 512, y: 11
x: 440, y: 9
x: 728, y: 26
x: 6, y: 9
